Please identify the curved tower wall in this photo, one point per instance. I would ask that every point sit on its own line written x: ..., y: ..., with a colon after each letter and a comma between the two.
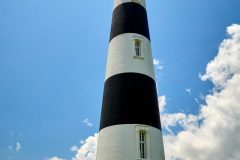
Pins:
x: 130, y: 105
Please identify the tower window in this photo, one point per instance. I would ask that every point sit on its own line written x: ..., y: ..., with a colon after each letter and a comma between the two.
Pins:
x: 142, y: 145
x: 138, y: 48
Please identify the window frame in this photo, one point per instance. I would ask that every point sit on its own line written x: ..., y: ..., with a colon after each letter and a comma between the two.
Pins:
x: 142, y: 129
x: 142, y: 144
x: 137, y: 39
x: 138, y: 48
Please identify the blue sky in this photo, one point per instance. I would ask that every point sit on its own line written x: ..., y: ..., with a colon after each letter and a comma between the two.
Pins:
x: 52, y: 66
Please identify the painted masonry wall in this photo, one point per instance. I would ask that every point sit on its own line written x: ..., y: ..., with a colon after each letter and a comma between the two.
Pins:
x: 118, y: 2
x: 121, y: 56
x: 120, y: 142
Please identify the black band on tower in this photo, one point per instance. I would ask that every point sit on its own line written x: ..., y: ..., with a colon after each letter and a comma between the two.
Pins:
x: 130, y: 98
x: 129, y: 18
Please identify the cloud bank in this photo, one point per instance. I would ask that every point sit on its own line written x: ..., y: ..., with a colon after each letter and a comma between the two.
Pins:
x: 217, y: 138
x: 88, y: 149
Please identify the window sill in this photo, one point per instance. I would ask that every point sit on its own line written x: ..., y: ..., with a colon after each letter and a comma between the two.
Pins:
x: 138, y: 57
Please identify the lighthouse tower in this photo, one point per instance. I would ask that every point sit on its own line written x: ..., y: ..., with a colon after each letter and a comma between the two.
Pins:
x: 130, y: 127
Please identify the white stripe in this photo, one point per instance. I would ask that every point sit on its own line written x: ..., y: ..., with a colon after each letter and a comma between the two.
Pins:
x: 121, y: 142
x: 122, y: 59
x: 118, y: 2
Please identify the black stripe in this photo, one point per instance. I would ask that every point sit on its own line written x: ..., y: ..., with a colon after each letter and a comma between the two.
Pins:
x: 130, y: 98
x: 129, y: 18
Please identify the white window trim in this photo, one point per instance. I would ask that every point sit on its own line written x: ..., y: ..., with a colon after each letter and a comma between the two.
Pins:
x: 142, y: 144
x: 138, y: 48
x: 143, y: 128
x: 142, y: 47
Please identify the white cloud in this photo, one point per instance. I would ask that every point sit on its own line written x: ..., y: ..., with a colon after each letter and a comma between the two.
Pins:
x: 162, y: 103
x: 54, y: 158
x: 87, y: 122
x: 179, y: 119
x: 88, y: 150
x: 74, y: 148
x: 226, y: 63
x: 217, y: 136
x: 189, y: 90
x: 196, y: 100
x: 18, y: 147
x: 82, y: 142
x: 157, y: 64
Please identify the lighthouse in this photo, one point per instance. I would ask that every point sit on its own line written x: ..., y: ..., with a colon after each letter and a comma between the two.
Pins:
x: 130, y: 127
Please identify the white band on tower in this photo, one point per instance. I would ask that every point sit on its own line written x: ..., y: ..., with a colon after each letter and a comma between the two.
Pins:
x: 118, y: 2
x: 122, y: 56
x: 126, y: 138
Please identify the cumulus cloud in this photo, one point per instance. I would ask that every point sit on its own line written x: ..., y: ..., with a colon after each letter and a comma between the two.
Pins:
x: 162, y: 103
x: 88, y: 149
x: 226, y: 64
x: 87, y: 122
x: 216, y: 135
x: 157, y: 64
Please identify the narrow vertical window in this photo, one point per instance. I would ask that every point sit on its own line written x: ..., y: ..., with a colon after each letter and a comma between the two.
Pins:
x: 138, y: 48
x: 142, y: 145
